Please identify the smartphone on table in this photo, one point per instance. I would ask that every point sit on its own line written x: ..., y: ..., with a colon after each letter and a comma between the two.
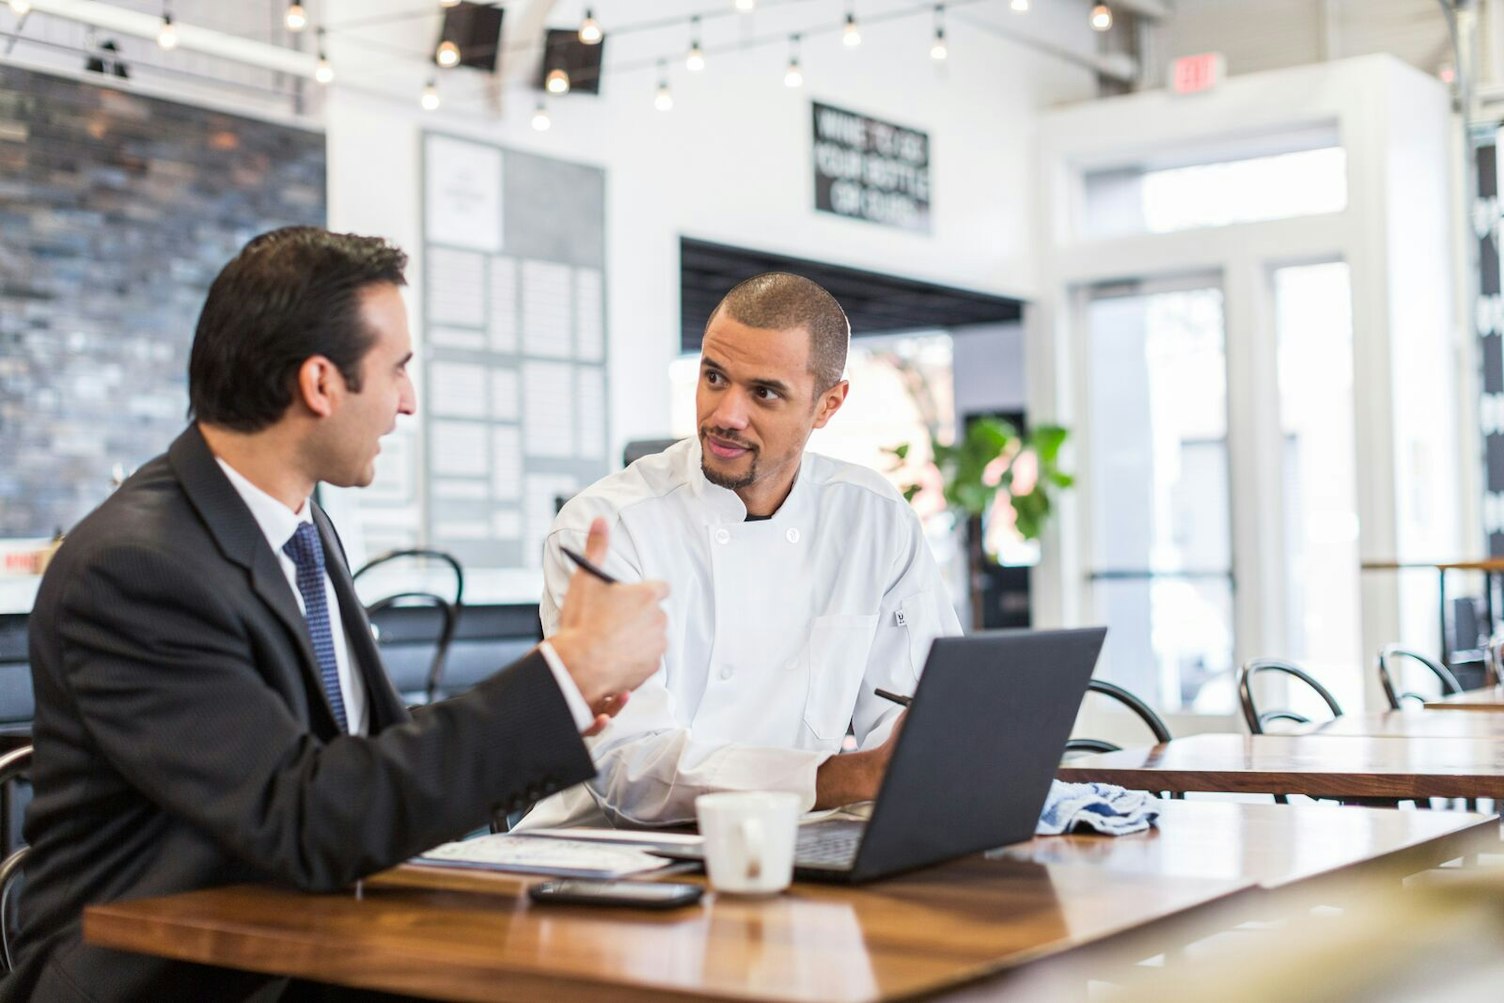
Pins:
x: 626, y: 894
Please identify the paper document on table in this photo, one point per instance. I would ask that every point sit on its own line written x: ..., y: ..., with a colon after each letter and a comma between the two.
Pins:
x: 567, y: 858
x: 635, y: 837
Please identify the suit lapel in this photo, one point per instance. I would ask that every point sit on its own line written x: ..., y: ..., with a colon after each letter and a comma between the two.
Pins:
x: 240, y: 540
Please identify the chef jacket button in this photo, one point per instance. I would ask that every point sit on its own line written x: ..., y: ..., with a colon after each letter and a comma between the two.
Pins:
x: 723, y: 536
x: 727, y: 671
x: 791, y: 665
x: 792, y: 536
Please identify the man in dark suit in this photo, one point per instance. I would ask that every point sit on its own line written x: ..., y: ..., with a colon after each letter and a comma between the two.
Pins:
x: 210, y: 707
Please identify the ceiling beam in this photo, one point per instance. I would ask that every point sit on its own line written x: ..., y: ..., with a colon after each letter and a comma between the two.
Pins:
x: 190, y: 37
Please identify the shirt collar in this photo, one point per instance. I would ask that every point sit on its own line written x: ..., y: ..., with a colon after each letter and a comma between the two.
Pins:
x: 278, y: 523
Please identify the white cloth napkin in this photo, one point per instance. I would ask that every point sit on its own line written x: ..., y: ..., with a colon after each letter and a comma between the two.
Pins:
x: 1105, y: 808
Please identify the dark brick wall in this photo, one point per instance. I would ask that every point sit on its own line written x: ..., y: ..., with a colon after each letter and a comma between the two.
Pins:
x: 116, y: 212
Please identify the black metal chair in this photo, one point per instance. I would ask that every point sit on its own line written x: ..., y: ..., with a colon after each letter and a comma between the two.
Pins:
x: 1257, y: 720
x: 1130, y: 700
x: 391, y: 622
x: 1133, y: 703
x: 14, y: 766
x: 1390, y: 657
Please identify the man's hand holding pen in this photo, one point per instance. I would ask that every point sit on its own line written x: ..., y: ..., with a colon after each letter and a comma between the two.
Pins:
x: 611, y: 636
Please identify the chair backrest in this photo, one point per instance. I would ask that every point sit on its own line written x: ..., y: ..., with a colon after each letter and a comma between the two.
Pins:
x: 1133, y: 703
x: 439, y: 627
x: 1392, y: 657
x: 421, y: 555
x: 1258, y: 719
x: 14, y: 765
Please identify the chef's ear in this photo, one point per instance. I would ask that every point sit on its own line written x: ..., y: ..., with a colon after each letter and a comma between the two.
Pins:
x: 829, y: 402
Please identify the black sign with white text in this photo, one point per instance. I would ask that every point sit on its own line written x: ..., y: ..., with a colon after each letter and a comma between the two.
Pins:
x: 872, y: 170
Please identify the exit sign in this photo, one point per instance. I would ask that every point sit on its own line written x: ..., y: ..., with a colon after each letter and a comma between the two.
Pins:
x: 1192, y: 74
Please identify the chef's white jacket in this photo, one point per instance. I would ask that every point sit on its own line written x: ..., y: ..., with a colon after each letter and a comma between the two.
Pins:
x: 779, y: 630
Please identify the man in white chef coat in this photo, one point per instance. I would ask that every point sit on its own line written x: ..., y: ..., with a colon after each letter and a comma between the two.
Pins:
x: 799, y: 582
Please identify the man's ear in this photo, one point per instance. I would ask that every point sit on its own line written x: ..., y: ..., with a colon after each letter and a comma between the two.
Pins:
x: 319, y: 385
x: 830, y: 402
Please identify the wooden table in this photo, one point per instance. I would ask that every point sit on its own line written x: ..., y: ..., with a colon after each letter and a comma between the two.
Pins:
x: 1316, y: 765
x: 1488, y: 566
x: 1412, y: 724
x: 1489, y: 698
x: 1276, y: 845
x: 469, y: 936
x: 466, y: 936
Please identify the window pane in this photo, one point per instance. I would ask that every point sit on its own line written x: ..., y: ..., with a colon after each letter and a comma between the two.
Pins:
x: 1161, y: 539
x: 1286, y: 185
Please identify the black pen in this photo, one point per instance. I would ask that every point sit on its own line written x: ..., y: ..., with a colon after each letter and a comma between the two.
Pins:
x: 588, y: 566
x: 902, y: 701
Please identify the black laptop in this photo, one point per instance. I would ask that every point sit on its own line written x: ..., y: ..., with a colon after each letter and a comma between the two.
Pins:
x: 974, y: 762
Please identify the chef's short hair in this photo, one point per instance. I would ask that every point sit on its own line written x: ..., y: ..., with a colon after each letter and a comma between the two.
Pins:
x: 781, y: 301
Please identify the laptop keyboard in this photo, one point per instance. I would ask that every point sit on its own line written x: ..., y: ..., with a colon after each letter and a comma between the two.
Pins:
x: 828, y: 844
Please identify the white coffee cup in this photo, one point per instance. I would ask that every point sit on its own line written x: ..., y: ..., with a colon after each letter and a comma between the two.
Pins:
x: 749, y: 839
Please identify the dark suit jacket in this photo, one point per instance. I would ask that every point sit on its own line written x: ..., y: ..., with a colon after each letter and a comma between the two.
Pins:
x: 183, y: 739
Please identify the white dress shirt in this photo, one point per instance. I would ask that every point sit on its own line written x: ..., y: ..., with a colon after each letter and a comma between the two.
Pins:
x: 278, y: 524
x: 778, y: 630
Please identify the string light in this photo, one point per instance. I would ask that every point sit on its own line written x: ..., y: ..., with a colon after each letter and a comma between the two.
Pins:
x: 745, y: 6
x: 664, y: 99
x: 793, y: 76
x: 449, y: 3
x: 851, y: 35
x: 590, y: 29
x: 324, y: 72
x: 296, y: 18
x: 694, y: 60
x: 1020, y: 6
x: 430, y: 98
x: 557, y: 81
x: 20, y: 8
x: 167, y: 36
x: 1101, y: 17
x: 938, y: 50
x: 541, y: 121
x: 447, y: 55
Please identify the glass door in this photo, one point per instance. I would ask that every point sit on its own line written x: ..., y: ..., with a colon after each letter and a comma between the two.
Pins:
x: 1157, y: 457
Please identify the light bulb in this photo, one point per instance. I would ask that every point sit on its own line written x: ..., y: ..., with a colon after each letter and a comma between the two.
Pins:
x: 1020, y: 6
x: 430, y: 98
x: 1101, y: 17
x: 590, y: 30
x: 745, y: 6
x: 449, y: 3
x: 167, y: 37
x: 557, y: 81
x: 695, y: 60
x: 324, y: 73
x: 20, y: 8
x: 296, y: 18
x: 447, y: 55
x: 663, y: 100
x: 793, y: 76
x: 938, y: 51
x: 851, y: 35
x: 541, y: 121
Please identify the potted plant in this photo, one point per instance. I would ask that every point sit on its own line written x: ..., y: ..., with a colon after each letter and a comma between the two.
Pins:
x: 995, y: 472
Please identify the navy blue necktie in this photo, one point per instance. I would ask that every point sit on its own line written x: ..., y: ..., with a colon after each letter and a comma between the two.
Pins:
x: 307, y: 552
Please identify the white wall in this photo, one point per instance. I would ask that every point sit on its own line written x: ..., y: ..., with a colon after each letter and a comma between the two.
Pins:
x: 730, y: 163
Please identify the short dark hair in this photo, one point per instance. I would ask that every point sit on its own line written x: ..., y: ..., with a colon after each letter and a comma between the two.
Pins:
x: 781, y: 301
x: 288, y: 295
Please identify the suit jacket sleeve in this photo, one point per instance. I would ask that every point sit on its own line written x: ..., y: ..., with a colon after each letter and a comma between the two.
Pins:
x: 170, y: 681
